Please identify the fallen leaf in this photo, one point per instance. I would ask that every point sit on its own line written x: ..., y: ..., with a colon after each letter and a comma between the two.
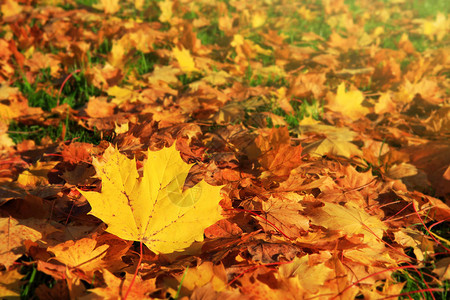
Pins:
x: 166, y: 74
x: 121, y: 95
x: 284, y: 211
x: 37, y: 174
x: 443, y: 268
x: 80, y: 254
x: 13, y: 235
x: 309, y: 275
x: 10, y: 282
x: 338, y: 141
x: 116, y: 288
x: 185, y: 60
x: 274, y: 151
x: 223, y: 228
x: 166, y: 10
x: 349, y: 219
x: 153, y: 209
x: 203, y: 274
x: 348, y: 103
x: 108, y: 6
x: 99, y: 107
x: 10, y: 8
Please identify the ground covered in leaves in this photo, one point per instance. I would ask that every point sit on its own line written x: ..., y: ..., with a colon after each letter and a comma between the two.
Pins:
x: 305, y: 150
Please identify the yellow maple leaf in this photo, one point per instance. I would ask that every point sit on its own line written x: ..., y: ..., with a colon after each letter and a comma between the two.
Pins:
x: 122, y: 95
x: 238, y: 40
x: 203, y: 274
x: 153, y: 209
x: 185, y: 60
x: 139, y: 4
x: 306, y: 13
x: 5, y: 141
x: 108, y: 6
x: 348, y: 103
x: 166, y: 10
x: 438, y: 28
x: 6, y: 114
x: 10, y: 8
x: 117, y: 54
x: 258, y: 19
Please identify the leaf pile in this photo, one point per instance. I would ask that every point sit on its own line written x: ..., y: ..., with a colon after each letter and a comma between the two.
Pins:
x: 224, y: 149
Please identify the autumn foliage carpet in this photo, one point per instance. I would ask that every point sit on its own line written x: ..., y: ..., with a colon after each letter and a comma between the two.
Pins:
x: 224, y: 149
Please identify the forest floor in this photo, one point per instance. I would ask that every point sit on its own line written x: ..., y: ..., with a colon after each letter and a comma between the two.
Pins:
x: 255, y: 149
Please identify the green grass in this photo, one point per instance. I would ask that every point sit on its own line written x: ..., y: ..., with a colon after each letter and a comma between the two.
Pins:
x: 20, y: 132
x: 354, y: 7
x: 70, y: 6
x: 299, y: 25
x: 36, y: 97
x: 86, y: 2
x: 186, y: 79
x: 405, y: 63
x: 143, y: 62
x: 271, y: 80
x: 421, y: 42
x: 76, y: 91
x: 424, y: 278
x: 421, y: 280
x: 302, y: 109
x: 98, y: 56
x: 32, y: 279
x: 181, y: 283
x: 210, y: 35
x: 253, y: 79
x: 391, y: 35
x: 190, y: 15
x: 427, y: 8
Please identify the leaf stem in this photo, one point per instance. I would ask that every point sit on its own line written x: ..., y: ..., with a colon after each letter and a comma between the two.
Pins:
x: 135, y: 273
x: 64, y: 83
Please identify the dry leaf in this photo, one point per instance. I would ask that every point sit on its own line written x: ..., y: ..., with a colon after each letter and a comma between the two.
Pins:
x: 80, y: 254
x: 13, y: 235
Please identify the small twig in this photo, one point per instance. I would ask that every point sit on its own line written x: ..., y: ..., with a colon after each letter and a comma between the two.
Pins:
x: 24, y: 132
